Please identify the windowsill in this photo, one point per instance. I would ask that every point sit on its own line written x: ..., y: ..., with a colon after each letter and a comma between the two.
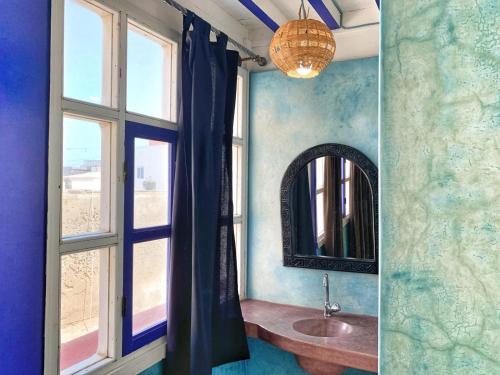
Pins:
x: 79, y: 354
x: 131, y: 364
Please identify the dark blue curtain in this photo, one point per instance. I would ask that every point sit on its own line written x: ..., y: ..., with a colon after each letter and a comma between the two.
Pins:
x: 205, y: 325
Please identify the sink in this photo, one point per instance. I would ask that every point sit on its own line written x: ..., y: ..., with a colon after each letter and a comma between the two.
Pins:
x: 325, y: 327
x: 322, y: 346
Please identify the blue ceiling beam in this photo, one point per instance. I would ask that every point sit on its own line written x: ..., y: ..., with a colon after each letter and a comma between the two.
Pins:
x: 260, y: 14
x: 324, y: 13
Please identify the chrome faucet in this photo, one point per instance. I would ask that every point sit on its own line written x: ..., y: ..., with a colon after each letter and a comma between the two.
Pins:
x: 329, y: 309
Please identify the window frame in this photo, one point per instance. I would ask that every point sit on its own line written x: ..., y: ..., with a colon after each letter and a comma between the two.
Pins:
x: 116, y: 114
x: 242, y: 219
x: 132, y: 236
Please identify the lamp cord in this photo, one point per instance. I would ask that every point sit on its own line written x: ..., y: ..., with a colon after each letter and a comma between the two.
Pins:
x: 303, y: 14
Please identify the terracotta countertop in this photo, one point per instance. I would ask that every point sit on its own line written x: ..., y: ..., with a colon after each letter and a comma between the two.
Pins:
x: 273, y: 323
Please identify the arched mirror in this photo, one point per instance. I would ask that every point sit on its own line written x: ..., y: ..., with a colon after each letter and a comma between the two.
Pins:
x: 329, y: 210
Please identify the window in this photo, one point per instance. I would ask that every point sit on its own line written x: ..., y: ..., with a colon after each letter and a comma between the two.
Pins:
x: 151, y: 87
x: 89, y: 58
x: 147, y: 233
x: 317, y: 191
x: 318, y: 174
x: 149, y: 285
x: 84, y: 326
x: 151, y: 193
x: 109, y: 217
x: 86, y: 176
x: 239, y: 155
x: 346, y: 187
x: 107, y: 245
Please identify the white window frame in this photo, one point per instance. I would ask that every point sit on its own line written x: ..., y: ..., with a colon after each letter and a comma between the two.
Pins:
x: 152, y: 353
x: 243, y: 218
x: 116, y: 114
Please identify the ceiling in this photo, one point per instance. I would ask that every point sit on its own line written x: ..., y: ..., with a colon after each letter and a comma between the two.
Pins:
x: 354, y: 23
x: 355, y: 12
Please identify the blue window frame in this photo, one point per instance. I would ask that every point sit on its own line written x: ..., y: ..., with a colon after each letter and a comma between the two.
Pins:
x: 135, y: 235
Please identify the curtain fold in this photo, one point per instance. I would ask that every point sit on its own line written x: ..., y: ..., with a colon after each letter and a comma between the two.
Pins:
x: 362, y: 214
x: 301, y: 216
x: 205, y: 324
x: 332, y: 206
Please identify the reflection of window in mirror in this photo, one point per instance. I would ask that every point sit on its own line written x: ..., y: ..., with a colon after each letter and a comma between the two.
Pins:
x: 320, y: 188
x: 346, y: 187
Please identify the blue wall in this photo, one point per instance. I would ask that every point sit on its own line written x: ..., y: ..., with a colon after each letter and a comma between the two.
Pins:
x: 287, y: 116
x: 24, y: 106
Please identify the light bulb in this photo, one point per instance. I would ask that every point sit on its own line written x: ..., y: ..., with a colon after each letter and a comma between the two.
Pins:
x: 304, y: 70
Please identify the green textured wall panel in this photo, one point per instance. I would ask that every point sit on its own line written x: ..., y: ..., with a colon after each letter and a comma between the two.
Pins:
x: 440, y: 184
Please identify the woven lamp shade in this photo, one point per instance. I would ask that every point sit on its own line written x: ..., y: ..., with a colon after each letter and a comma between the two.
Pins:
x: 302, y: 48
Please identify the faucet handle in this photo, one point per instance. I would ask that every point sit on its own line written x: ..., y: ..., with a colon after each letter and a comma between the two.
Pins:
x: 335, y: 307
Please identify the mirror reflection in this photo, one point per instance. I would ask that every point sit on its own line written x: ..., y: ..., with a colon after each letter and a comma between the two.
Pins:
x: 331, y: 210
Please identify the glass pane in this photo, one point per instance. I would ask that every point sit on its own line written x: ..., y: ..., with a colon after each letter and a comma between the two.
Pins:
x: 347, y: 168
x: 238, y: 110
x: 320, y: 173
x: 237, y: 240
x: 347, y: 198
x: 149, y: 285
x: 84, y: 308
x: 87, y: 52
x: 151, y: 183
x: 150, y: 69
x: 319, y: 214
x: 86, y: 176
x: 237, y: 178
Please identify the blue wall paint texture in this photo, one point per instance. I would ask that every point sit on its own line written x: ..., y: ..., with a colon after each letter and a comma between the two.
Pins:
x: 24, y: 106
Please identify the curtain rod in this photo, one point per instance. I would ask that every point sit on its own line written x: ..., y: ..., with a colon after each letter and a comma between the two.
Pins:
x: 252, y: 56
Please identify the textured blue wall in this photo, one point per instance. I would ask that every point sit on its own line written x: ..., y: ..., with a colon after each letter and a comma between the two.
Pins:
x: 24, y: 106
x: 287, y: 116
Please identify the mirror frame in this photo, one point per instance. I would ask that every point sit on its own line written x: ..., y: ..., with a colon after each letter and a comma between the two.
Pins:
x: 290, y: 257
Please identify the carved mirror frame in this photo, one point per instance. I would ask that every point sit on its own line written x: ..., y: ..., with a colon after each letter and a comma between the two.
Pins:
x: 290, y: 258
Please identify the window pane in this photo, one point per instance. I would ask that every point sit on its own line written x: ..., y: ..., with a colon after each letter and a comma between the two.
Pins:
x: 320, y: 173
x: 86, y: 176
x: 347, y: 198
x: 237, y: 240
x: 238, y: 110
x: 149, y: 285
x: 84, y: 308
x: 320, y: 225
x: 150, y: 74
x: 87, y: 52
x: 237, y: 178
x: 151, y: 183
x: 347, y: 169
